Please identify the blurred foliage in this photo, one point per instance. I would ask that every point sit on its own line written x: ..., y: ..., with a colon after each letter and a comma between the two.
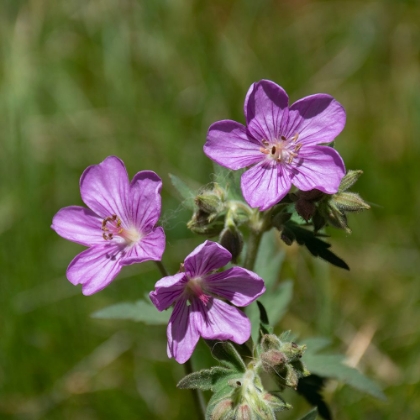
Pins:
x: 81, y: 80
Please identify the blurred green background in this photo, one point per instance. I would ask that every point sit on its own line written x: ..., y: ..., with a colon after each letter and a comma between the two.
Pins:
x: 81, y: 80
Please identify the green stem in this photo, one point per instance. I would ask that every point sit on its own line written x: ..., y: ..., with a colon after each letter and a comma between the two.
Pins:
x: 252, y: 249
x: 162, y: 268
x: 196, y: 394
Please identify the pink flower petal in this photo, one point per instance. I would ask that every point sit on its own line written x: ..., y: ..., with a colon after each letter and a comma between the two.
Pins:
x: 145, y: 200
x: 229, y: 145
x: 206, y: 257
x: 320, y: 167
x: 95, y: 267
x: 220, y: 321
x: 79, y: 225
x: 265, y: 184
x: 266, y: 110
x: 104, y: 188
x: 317, y: 119
x: 148, y: 248
x: 168, y: 290
x: 182, y: 333
x: 237, y: 285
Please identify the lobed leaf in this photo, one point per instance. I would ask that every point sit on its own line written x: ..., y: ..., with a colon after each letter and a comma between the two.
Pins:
x: 311, y: 415
x: 227, y: 355
x: 315, y: 246
x: 205, y: 379
x: 333, y: 366
x: 186, y: 193
x: 140, y: 311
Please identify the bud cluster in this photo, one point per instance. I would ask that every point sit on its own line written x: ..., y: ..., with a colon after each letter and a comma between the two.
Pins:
x: 248, y: 400
x: 332, y: 209
x: 282, y: 360
x: 217, y: 214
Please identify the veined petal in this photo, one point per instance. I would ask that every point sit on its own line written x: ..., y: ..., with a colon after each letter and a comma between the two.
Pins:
x: 95, y: 267
x: 206, y: 257
x: 319, y: 167
x: 229, y: 145
x: 265, y: 184
x: 168, y: 290
x: 317, y: 119
x: 104, y: 188
x: 220, y: 321
x: 182, y: 333
x: 150, y: 247
x: 237, y: 285
x: 266, y: 110
x: 145, y: 200
x: 79, y: 225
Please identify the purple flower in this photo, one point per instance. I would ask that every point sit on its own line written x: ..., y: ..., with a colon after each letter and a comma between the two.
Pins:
x: 281, y: 143
x: 119, y: 228
x: 196, y: 293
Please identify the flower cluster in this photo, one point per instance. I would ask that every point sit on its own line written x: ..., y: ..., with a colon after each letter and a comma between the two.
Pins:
x: 281, y: 144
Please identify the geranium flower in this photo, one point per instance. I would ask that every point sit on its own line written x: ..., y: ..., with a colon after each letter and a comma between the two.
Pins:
x: 196, y: 293
x: 119, y: 228
x: 281, y: 143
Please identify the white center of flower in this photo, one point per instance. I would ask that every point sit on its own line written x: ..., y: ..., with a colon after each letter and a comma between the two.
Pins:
x: 282, y: 150
x: 112, y: 229
x: 194, y: 288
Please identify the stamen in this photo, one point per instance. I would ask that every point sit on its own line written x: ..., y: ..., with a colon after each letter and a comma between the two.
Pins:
x: 265, y: 142
x: 265, y: 151
x: 283, y: 138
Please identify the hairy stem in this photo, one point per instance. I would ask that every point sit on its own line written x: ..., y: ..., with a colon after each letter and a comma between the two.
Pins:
x: 196, y: 394
x: 199, y: 403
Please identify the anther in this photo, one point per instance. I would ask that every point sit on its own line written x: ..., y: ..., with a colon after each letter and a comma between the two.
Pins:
x: 283, y: 137
x: 273, y: 150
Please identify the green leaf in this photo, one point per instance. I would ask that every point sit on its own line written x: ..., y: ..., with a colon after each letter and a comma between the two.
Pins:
x: 140, y: 311
x: 204, y: 379
x: 315, y: 246
x: 186, y: 193
x: 311, y: 415
x: 332, y: 366
x: 230, y: 180
x: 269, y: 259
x: 227, y: 355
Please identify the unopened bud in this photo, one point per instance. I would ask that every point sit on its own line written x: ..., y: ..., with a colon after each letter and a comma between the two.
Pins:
x: 231, y: 239
x: 273, y: 360
x: 270, y: 342
x: 350, y: 202
x: 349, y: 179
x: 223, y: 410
x: 244, y: 412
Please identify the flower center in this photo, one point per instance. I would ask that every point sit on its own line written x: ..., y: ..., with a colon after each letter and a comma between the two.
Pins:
x: 112, y: 228
x: 282, y: 150
x: 194, y: 288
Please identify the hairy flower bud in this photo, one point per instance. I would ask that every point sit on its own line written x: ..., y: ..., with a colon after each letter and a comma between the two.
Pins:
x: 282, y: 360
x: 208, y: 219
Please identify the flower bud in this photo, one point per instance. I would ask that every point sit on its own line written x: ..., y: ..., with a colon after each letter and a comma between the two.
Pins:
x: 273, y: 360
x: 223, y: 410
x: 349, y: 179
x: 231, y: 239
